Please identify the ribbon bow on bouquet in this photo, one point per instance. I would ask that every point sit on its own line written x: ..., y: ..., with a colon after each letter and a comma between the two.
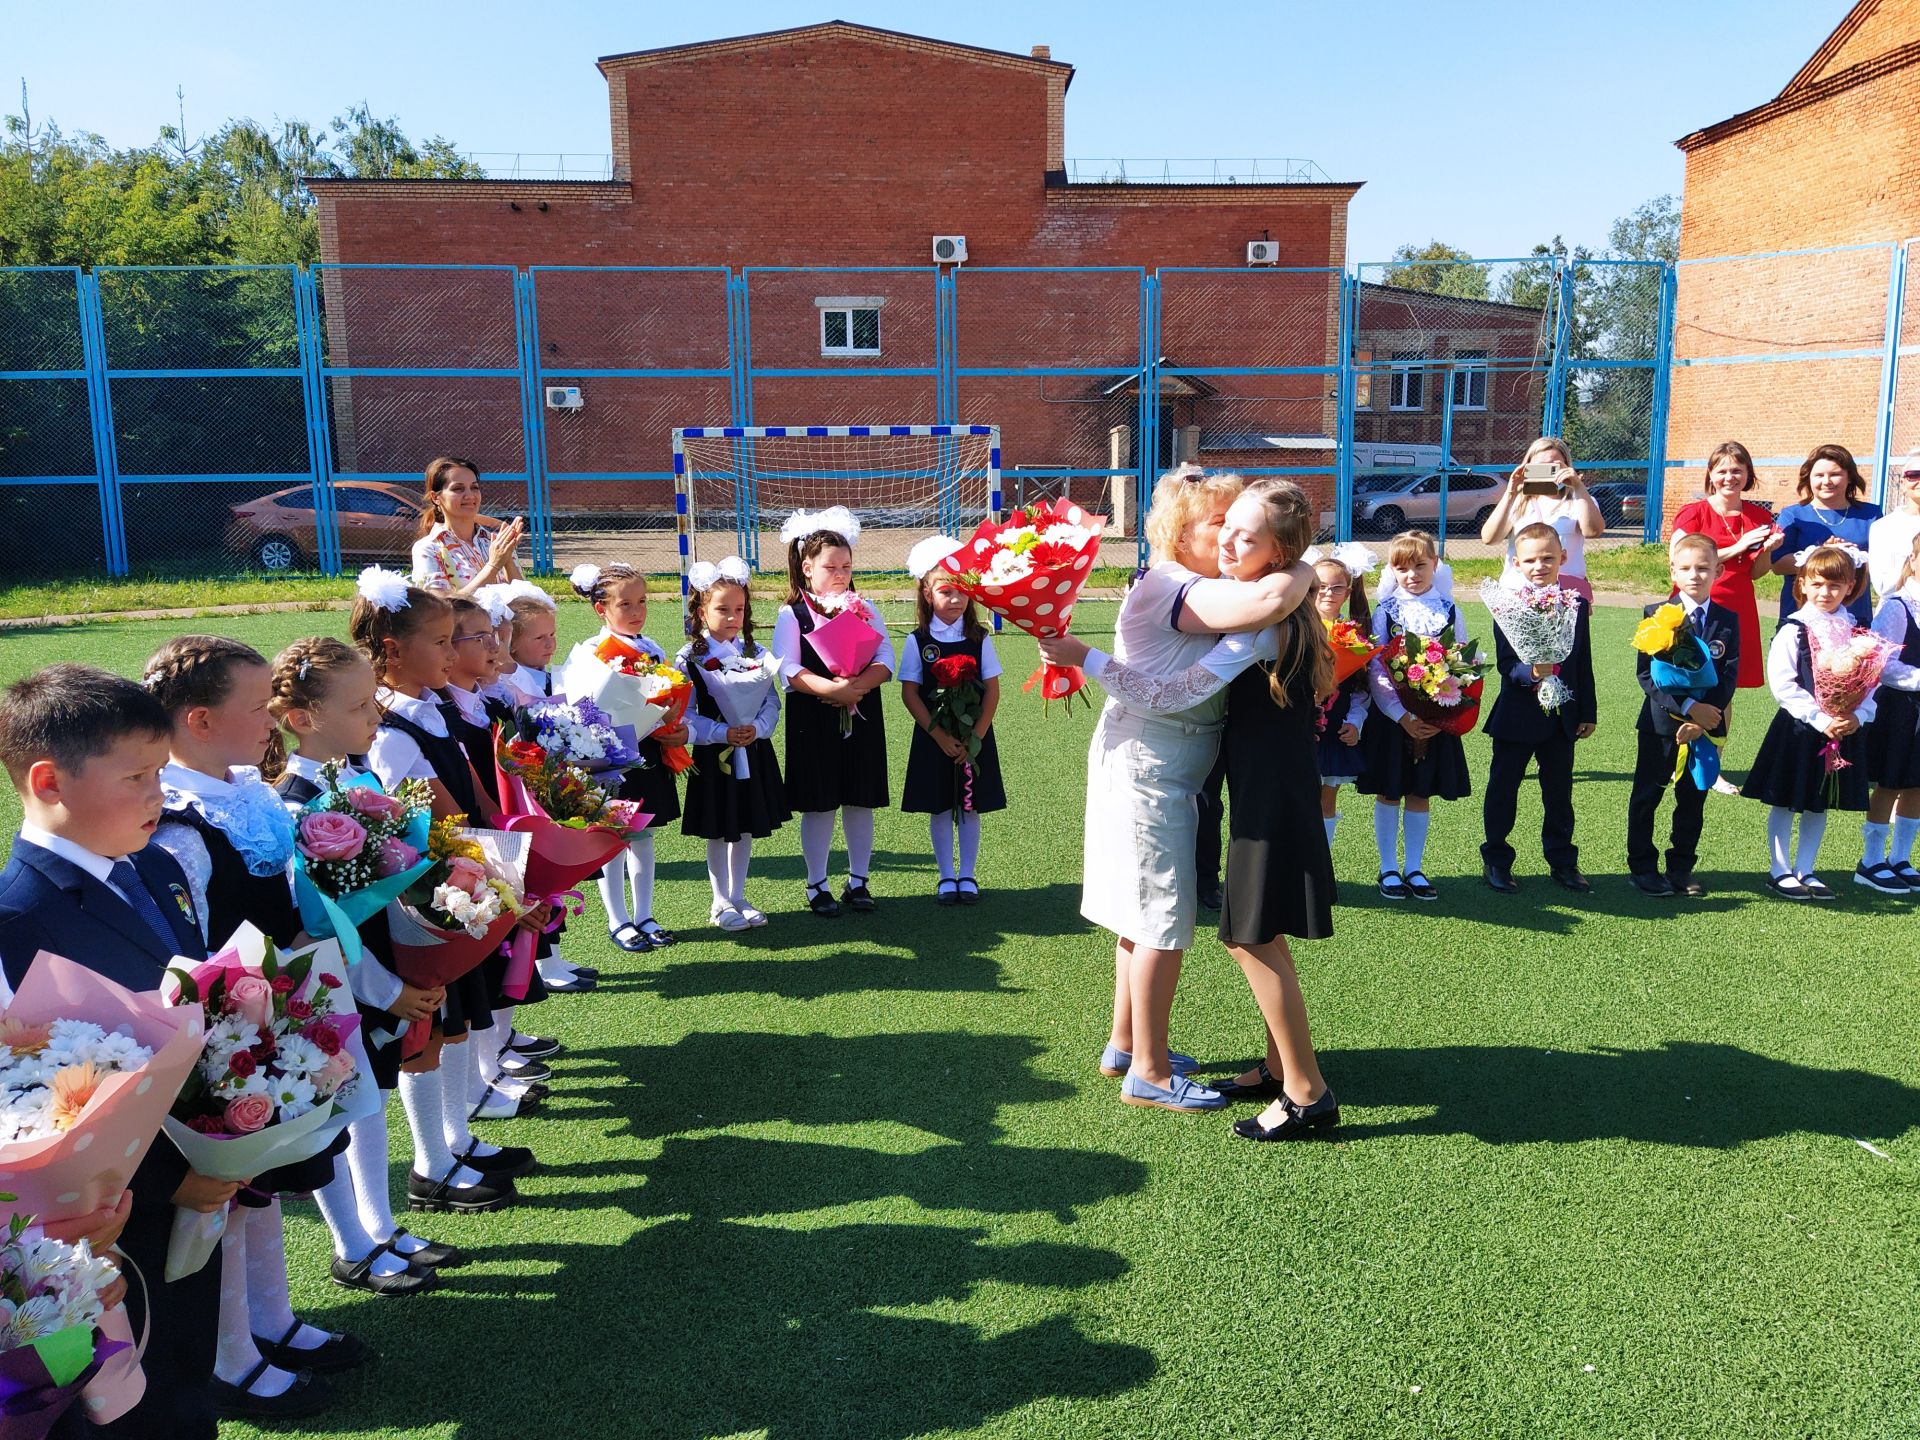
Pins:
x: 1679, y: 665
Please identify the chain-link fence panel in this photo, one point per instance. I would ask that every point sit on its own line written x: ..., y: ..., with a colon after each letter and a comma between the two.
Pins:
x: 625, y: 356
x: 1055, y: 358
x: 1780, y: 352
x: 209, y: 419
x: 51, y: 490
x: 418, y: 362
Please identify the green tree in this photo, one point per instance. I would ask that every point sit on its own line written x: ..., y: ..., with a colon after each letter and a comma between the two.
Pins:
x: 1439, y: 269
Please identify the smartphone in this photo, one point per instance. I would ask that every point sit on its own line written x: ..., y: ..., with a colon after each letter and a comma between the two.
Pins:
x: 1540, y: 479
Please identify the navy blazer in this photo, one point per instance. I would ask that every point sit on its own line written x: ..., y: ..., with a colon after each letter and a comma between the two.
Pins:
x: 1722, y: 639
x: 1517, y: 715
x: 47, y: 903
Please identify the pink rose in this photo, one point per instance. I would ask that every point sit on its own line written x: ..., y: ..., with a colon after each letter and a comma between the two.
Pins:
x: 1416, y: 673
x: 248, y: 1113
x: 374, y: 804
x: 251, y: 997
x: 324, y: 1037
x: 1434, y: 652
x: 393, y: 857
x: 328, y: 836
x: 335, y: 1073
x: 467, y: 875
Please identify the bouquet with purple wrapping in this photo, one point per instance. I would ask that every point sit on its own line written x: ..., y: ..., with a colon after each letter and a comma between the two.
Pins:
x: 581, y: 733
x: 51, y: 1343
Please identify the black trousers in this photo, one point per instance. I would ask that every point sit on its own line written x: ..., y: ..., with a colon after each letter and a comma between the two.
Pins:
x: 1652, y: 766
x: 1206, y: 838
x: 1554, y: 757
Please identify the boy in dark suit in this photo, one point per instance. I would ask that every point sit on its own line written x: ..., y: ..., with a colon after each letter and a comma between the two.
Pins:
x: 1522, y: 731
x: 84, y: 749
x: 1668, y: 721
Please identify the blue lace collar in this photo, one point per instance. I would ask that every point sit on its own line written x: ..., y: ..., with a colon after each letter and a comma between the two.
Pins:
x: 243, y: 807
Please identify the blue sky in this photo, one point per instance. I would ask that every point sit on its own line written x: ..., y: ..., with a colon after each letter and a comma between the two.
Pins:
x: 1490, y: 124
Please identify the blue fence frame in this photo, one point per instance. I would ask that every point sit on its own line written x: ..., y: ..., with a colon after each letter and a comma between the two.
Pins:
x: 531, y: 369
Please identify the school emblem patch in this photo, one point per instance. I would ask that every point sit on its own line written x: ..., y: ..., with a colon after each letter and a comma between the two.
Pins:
x: 183, y: 900
x: 930, y: 653
x: 1717, y: 649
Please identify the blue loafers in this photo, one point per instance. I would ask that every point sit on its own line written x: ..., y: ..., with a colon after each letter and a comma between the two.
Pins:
x: 1183, y: 1094
x: 1115, y: 1062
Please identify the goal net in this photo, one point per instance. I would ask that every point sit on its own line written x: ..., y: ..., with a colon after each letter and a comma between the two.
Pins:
x: 735, y: 486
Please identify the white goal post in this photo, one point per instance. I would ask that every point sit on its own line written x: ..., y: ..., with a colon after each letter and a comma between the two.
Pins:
x: 735, y: 485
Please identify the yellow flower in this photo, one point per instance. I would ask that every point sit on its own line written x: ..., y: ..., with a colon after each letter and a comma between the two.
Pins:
x: 1654, y: 635
x: 448, y: 838
x: 72, y: 1088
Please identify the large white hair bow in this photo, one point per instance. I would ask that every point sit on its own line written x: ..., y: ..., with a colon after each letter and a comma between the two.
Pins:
x: 497, y: 600
x: 836, y: 518
x: 382, y: 589
x: 704, y: 574
x: 1355, y: 558
x: 584, y: 577
x: 929, y: 553
x: 526, y: 590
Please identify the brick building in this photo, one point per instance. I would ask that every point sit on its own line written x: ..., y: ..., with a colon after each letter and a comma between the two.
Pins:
x: 829, y: 145
x: 1832, y: 160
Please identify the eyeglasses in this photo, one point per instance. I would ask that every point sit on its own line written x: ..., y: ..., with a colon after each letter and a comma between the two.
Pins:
x: 486, y: 639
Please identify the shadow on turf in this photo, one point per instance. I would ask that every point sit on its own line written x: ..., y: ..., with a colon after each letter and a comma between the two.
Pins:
x: 702, y: 1327
x: 1681, y: 1093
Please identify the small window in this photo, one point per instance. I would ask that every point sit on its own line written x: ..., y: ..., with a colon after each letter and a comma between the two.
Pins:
x: 1470, y: 380
x: 1408, y: 391
x: 851, y: 331
x: 1363, y: 379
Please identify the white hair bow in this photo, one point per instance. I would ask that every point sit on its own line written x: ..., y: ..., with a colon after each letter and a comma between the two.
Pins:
x: 382, y: 589
x: 929, y: 553
x: 584, y: 577
x: 515, y: 590
x: 836, y: 518
x: 1355, y: 558
x: 704, y: 574
x: 497, y: 600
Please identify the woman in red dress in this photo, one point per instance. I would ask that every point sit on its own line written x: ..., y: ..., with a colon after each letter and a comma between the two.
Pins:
x: 1743, y: 531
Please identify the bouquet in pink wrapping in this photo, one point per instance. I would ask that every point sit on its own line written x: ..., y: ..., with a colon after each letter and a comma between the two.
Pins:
x: 1847, y: 665
x: 90, y: 1069
x: 1028, y: 569
x: 846, y: 640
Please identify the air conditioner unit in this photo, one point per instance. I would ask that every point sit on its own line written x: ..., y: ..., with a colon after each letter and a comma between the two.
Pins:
x: 565, y: 397
x: 1263, y: 252
x: 949, y: 249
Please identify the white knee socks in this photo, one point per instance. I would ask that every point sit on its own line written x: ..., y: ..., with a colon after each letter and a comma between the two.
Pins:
x: 640, y: 873
x: 420, y: 1098
x: 613, y: 892
x: 1813, y: 829
x: 235, y: 1354
x: 940, y: 831
x: 857, y: 826
x: 1386, y: 835
x: 1416, y: 822
x: 267, y: 1300
x: 1780, y: 841
x: 727, y: 862
x: 969, y: 838
x: 1873, y: 844
x: 816, y: 844
x: 1905, y: 828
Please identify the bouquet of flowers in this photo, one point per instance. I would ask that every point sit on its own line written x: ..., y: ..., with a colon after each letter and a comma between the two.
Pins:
x: 739, y: 685
x: 1679, y: 664
x: 846, y: 641
x: 632, y: 688
x: 1028, y: 569
x: 582, y: 735
x: 52, y: 1335
x: 1352, y: 647
x: 1437, y: 678
x: 953, y: 692
x: 1539, y: 621
x: 1844, y: 675
x: 460, y: 912
x: 571, y: 824
x: 276, y: 1082
x: 355, y: 849
x: 91, y: 1134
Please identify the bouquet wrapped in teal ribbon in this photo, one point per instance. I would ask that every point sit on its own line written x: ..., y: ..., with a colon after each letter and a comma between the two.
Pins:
x: 356, y: 849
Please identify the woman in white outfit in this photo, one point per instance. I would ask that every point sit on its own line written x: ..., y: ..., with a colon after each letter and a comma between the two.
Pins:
x: 1144, y: 769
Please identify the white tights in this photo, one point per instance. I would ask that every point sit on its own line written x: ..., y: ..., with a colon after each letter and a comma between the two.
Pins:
x: 816, y: 842
x: 941, y: 828
x: 727, y: 862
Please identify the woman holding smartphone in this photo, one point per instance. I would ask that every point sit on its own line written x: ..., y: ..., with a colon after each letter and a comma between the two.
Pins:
x: 1567, y: 507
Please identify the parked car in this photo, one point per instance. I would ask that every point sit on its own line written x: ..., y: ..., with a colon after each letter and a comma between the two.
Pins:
x: 1621, y: 502
x: 377, y: 521
x: 1386, y: 504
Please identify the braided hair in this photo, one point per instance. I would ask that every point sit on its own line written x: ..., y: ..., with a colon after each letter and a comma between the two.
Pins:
x: 608, y: 578
x: 696, y: 631
x: 302, y: 676
x: 195, y: 670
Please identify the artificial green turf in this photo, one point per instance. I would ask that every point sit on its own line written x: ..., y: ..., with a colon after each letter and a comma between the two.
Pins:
x: 1599, y: 1174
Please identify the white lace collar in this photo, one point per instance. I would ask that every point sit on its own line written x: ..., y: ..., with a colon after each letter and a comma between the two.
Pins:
x: 424, y: 712
x: 1426, y: 614
x: 1838, y: 625
x: 242, y: 807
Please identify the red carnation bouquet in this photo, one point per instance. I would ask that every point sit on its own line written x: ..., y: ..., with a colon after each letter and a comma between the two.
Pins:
x: 1028, y: 569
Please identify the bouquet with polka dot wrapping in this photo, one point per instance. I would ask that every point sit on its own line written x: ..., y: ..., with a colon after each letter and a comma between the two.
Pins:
x: 1028, y: 569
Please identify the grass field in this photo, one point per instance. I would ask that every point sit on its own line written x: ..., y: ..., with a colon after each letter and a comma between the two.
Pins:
x: 1601, y: 1175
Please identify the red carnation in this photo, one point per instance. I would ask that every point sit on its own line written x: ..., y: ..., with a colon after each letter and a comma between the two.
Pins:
x: 332, y: 982
x: 264, y: 1051
x: 242, y: 1063
x: 526, y: 753
x: 710, y: 664
x: 282, y: 984
x: 299, y: 1009
x: 206, y: 1125
x: 324, y: 1036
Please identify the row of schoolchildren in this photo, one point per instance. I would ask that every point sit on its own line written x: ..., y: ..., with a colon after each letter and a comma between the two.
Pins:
x: 104, y: 765
x: 1371, y: 741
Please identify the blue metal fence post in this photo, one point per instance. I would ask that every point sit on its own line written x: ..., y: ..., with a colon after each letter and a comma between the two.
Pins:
x: 1446, y: 448
x: 533, y: 421
x: 745, y: 502
x: 1890, y: 377
x: 1556, y: 404
x: 1346, y: 388
x: 1147, y: 426
x: 1652, y: 523
x: 313, y: 395
x: 93, y: 349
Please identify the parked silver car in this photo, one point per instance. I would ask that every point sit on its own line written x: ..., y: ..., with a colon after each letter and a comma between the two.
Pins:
x: 1388, y: 503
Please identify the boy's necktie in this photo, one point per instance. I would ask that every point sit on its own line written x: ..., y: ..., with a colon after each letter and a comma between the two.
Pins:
x: 126, y: 879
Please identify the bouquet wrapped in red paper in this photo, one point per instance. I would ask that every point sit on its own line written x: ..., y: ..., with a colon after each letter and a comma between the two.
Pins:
x: 1028, y: 569
x: 1438, y: 678
x: 572, y: 824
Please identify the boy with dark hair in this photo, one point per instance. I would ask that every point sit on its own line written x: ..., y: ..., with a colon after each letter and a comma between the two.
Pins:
x: 84, y: 749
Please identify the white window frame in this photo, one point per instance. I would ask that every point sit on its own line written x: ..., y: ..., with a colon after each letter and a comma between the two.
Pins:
x: 1469, y: 375
x: 847, y: 305
x: 1406, y: 388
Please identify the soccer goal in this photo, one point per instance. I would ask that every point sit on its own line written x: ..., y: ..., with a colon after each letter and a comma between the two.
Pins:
x: 735, y: 485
